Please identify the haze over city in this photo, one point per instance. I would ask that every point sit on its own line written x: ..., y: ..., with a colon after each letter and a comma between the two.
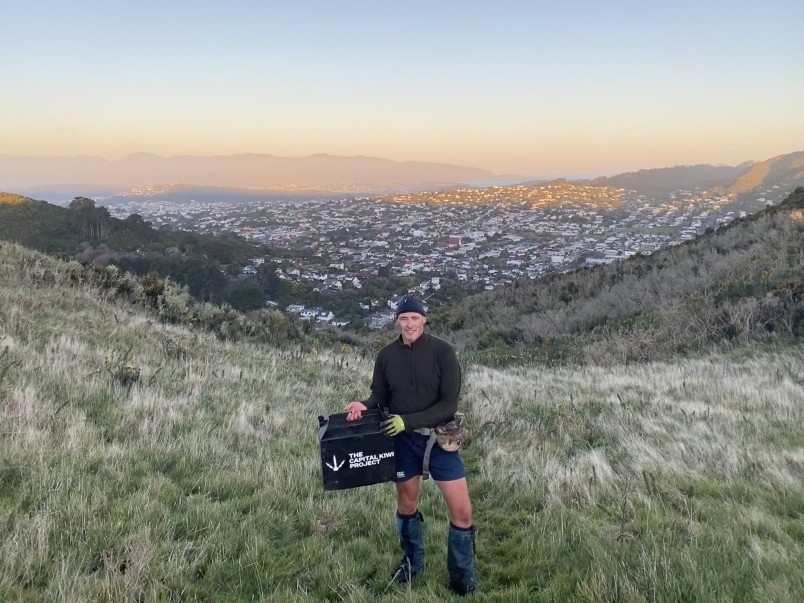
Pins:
x: 530, y: 88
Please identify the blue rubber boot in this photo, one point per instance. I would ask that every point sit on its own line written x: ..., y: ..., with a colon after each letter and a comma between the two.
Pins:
x: 411, y: 539
x: 461, y: 559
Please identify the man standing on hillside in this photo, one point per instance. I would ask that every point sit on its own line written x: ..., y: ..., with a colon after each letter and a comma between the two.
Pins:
x: 418, y: 378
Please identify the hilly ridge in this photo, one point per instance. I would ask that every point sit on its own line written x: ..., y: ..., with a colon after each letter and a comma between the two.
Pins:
x: 663, y: 181
x: 784, y: 171
x: 36, y: 224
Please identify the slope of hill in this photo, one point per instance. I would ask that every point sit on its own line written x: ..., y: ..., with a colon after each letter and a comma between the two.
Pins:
x: 663, y: 181
x: 783, y: 171
x: 141, y: 461
x: 744, y: 282
x: 12, y: 199
x: 749, y: 181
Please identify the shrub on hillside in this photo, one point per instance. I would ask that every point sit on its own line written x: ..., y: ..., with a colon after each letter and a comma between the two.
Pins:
x: 277, y: 328
x: 226, y: 322
x: 104, y: 276
x: 153, y: 286
x: 175, y: 303
x: 121, y: 370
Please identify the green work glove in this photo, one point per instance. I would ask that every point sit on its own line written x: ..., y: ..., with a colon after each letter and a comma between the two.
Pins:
x: 393, y: 425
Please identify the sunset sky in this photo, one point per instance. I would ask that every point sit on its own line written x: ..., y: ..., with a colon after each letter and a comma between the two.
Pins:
x: 528, y: 87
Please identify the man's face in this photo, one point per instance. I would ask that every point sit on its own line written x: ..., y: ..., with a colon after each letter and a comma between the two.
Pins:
x: 411, y: 326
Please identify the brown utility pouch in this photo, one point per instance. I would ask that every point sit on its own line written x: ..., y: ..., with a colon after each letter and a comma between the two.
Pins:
x: 453, y: 435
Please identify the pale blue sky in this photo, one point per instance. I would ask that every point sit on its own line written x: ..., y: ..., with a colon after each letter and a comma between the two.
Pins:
x: 540, y: 88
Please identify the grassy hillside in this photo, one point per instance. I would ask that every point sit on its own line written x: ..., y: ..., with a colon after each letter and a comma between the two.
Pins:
x: 740, y: 284
x: 141, y: 461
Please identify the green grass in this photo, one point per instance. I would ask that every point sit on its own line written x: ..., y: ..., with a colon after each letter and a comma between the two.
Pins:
x: 200, y: 480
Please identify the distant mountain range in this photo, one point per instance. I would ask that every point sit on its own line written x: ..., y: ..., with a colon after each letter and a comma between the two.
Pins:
x: 265, y: 177
x: 96, y: 177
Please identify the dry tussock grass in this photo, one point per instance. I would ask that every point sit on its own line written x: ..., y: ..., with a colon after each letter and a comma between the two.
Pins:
x: 565, y: 428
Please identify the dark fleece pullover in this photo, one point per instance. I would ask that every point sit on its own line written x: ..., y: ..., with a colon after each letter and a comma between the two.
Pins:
x: 421, y: 382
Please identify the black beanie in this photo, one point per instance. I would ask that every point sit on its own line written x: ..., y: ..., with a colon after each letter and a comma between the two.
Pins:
x: 410, y: 303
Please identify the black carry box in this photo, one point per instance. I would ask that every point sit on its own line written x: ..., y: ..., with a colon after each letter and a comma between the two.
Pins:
x: 354, y: 453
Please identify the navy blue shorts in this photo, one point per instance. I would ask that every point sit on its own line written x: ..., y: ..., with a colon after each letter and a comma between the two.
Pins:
x: 409, y: 450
